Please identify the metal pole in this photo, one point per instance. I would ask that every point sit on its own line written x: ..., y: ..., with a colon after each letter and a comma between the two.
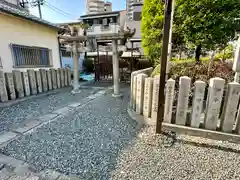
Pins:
x: 161, y: 97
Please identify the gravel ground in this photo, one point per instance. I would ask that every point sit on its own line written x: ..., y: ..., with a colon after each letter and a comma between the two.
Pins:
x: 153, y: 157
x: 17, y: 113
x: 101, y: 142
x: 84, y: 144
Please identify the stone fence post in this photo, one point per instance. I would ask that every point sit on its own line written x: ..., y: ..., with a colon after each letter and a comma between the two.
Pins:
x: 39, y: 81
x: 44, y: 79
x: 230, y: 107
x: 3, y: 90
x: 183, y: 97
x: 54, y: 78
x: 10, y: 85
x: 215, y: 95
x: 169, y: 98
x: 147, y: 102
x: 155, y: 99
x: 17, y: 78
x: 199, y: 91
x: 58, y: 72
x: 140, y: 92
x: 147, y: 71
x: 26, y: 85
x: 49, y: 80
x: 32, y: 81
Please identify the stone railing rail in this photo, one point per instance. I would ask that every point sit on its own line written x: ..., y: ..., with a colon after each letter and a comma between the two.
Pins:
x: 31, y: 82
x: 216, y: 118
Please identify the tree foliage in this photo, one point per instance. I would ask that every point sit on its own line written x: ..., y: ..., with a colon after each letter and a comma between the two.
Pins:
x: 205, y: 24
x: 209, y: 24
x: 151, y: 28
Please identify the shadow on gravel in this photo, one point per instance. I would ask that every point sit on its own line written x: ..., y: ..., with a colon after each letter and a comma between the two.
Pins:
x: 86, y: 143
x: 171, y: 137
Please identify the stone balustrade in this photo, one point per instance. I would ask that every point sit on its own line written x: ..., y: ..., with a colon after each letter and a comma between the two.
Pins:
x: 19, y: 84
x: 210, y: 112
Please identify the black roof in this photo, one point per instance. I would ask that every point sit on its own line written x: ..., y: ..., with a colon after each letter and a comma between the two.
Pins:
x: 114, y: 13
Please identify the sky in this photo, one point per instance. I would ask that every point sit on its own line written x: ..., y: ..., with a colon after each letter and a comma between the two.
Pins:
x: 58, y: 11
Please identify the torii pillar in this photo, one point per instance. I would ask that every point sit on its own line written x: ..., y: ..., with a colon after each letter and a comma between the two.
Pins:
x: 76, y: 55
x: 115, y: 61
x: 75, y: 41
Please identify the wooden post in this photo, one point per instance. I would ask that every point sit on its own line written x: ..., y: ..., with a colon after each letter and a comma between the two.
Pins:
x: 161, y: 97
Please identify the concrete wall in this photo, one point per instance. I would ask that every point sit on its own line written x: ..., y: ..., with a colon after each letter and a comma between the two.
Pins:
x: 23, y: 32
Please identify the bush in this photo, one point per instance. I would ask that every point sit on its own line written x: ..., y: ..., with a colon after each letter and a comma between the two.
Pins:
x: 227, y: 53
x: 198, y: 71
x: 88, y: 65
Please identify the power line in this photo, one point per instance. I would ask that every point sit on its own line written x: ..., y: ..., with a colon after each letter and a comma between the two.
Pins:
x: 56, y: 8
x: 57, y: 11
x: 47, y: 4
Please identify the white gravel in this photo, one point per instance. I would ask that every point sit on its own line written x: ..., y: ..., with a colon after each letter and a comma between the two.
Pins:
x: 17, y: 113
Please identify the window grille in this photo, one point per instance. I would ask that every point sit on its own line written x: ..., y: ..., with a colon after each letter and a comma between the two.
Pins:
x: 30, y: 56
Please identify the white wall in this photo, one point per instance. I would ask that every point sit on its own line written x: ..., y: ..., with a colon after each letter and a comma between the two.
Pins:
x: 23, y: 32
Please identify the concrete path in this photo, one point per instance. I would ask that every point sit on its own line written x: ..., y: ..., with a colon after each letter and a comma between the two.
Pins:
x: 97, y: 140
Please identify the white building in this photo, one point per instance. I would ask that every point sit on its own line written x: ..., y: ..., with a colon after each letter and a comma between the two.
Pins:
x: 95, y: 6
x: 130, y: 7
x: 98, y: 6
x: 25, y: 40
x: 108, y: 6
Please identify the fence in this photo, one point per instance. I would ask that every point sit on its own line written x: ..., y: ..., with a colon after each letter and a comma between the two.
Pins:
x: 20, y: 84
x: 208, y: 113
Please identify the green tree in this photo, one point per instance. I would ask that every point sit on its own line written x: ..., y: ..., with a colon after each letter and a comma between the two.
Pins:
x: 208, y: 24
x: 151, y: 28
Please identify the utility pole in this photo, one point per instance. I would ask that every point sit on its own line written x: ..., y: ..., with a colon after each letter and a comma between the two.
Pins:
x: 39, y: 9
x: 38, y: 3
x: 166, y: 32
x: 170, y: 41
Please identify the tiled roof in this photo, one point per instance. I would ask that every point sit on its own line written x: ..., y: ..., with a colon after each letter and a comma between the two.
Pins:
x: 24, y: 14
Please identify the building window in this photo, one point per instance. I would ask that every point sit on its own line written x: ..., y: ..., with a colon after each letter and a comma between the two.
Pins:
x: 66, y: 53
x: 30, y: 56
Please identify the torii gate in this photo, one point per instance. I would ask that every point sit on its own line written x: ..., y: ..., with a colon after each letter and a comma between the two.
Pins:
x: 74, y: 38
x: 121, y: 36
